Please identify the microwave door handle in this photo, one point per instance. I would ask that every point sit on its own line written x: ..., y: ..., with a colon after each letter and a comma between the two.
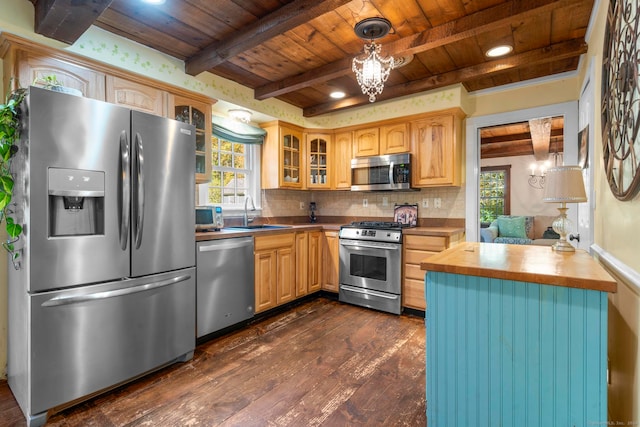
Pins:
x: 139, y: 191
x: 391, y: 172
x: 125, y: 183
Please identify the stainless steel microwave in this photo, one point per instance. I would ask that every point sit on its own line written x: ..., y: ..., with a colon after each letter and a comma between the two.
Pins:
x: 381, y: 173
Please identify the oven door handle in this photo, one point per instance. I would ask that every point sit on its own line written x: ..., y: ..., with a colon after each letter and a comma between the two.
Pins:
x: 362, y: 245
x: 368, y: 292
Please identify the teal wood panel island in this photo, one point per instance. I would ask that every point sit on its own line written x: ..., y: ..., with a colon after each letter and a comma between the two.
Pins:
x: 516, y: 336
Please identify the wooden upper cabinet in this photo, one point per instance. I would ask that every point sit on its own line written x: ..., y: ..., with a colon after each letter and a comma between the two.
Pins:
x: 282, y: 156
x: 395, y: 139
x: 318, y: 160
x: 134, y: 95
x: 436, y: 147
x: 387, y: 139
x: 343, y: 152
x: 198, y: 114
x: 366, y: 142
x: 31, y: 67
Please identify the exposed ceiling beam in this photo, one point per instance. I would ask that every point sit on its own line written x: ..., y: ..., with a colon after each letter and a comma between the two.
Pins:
x: 516, y: 148
x: 469, y: 26
x: 66, y: 20
x: 555, y: 52
x: 282, y: 20
x: 526, y: 137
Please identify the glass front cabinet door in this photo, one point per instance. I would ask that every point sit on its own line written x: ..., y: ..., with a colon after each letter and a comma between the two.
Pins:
x: 282, y: 154
x: 318, y: 159
x: 199, y: 115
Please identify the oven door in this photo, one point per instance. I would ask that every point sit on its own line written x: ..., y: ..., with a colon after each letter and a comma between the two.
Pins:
x: 371, y: 265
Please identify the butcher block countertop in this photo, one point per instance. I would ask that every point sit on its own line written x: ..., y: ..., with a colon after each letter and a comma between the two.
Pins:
x: 433, y: 231
x: 525, y: 263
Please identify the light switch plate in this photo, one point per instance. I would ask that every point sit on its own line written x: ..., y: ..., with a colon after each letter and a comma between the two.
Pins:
x: 365, y: 203
x: 385, y: 201
x: 425, y: 203
x: 437, y: 203
x: 301, y: 205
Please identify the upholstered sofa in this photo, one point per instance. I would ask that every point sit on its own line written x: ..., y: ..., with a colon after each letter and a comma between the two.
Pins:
x: 518, y: 230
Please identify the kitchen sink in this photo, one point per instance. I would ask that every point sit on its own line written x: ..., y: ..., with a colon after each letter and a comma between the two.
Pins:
x: 259, y: 227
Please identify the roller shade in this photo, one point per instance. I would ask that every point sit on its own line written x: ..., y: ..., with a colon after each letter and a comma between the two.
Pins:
x: 234, y: 131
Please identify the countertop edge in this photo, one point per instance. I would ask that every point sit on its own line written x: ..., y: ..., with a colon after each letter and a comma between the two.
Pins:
x: 433, y: 231
x: 442, y: 262
x: 227, y: 233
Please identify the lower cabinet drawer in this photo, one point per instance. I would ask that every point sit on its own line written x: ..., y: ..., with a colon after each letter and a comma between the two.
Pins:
x: 426, y: 243
x: 414, y: 256
x: 413, y: 294
x: 413, y: 271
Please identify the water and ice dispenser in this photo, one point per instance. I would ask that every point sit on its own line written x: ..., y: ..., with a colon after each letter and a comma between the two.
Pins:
x: 76, y: 202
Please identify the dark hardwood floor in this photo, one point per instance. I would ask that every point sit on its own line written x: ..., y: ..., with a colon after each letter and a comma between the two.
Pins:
x: 322, y: 363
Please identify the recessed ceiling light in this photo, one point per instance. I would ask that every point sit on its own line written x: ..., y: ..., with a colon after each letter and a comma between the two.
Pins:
x: 153, y: 1
x: 499, y: 51
x: 338, y: 94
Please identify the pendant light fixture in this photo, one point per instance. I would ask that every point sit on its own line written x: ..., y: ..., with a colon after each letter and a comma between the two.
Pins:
x: 371, y: 69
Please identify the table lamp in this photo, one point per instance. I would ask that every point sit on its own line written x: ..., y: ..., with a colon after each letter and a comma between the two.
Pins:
x: 564, y: 184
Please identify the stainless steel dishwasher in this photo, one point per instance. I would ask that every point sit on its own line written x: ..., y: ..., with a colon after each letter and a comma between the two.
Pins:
x: 224, y: 287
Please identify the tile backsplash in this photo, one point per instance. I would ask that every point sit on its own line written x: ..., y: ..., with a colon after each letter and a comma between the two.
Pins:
x: 278, y: 203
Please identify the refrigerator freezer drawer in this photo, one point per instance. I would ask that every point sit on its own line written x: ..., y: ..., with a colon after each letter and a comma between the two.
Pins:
x: 89, y: 339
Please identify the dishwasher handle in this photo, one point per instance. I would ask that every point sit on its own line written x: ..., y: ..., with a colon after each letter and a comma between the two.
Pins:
x: 232, y: 243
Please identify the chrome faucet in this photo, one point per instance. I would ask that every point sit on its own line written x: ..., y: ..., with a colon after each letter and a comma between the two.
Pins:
x: 245, y: 219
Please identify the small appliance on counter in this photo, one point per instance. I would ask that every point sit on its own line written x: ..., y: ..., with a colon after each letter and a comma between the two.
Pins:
x: 209, y: 218
x: 312, y: 208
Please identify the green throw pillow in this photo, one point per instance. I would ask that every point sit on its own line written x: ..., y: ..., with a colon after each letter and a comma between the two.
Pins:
x: 512, y: 227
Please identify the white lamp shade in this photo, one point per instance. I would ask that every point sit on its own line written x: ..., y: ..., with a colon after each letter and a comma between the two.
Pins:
x: 564, y: 184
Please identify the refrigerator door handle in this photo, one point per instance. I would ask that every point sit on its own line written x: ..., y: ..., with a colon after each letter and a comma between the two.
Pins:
x: 139, y: 191
x: 126, y: 190
x: 58, y: 301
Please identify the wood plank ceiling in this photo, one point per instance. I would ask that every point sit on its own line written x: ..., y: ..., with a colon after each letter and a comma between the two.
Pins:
x: 301, y: 50
x: 514, y: 139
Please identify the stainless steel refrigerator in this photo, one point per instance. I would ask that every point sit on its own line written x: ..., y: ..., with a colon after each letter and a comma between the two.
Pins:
x: 105, y: 290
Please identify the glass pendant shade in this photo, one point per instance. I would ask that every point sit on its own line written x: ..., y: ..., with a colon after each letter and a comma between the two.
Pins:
x: 372, y: 71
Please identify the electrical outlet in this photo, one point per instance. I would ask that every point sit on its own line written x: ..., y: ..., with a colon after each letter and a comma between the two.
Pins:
x: 365, y: 203
x: 385, y: 201
x: 437, y: 203
x: 301, y: 205
x: 425, y: 203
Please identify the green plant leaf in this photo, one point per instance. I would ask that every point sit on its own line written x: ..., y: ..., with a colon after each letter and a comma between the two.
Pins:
x: 5, y: 199
x: 7, y: 183
x: 13, y: 230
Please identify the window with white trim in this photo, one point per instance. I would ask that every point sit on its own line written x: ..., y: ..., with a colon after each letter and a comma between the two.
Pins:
x: 235, y: 174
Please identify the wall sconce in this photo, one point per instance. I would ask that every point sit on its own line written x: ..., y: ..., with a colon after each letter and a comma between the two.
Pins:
x: 537, y: 181
x: 371, y: 69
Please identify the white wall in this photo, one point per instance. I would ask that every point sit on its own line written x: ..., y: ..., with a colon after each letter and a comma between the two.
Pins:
x: 525, y: 200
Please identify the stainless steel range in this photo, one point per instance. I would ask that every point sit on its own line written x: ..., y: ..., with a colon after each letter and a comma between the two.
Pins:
x: 371, y: 265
